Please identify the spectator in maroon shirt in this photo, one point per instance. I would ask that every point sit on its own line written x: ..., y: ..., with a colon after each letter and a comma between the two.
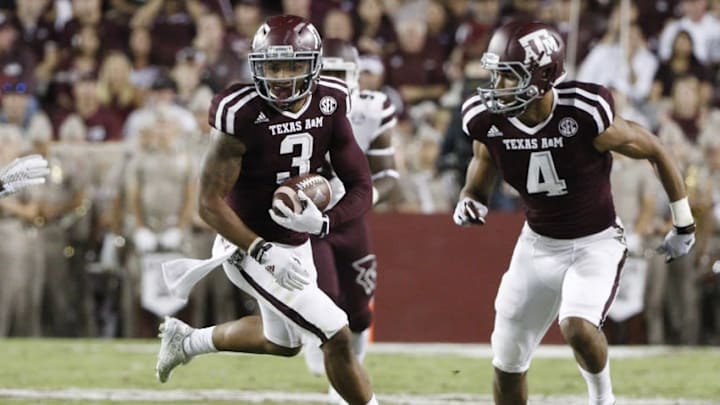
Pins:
x: 82, y: 59
x: 441, y: 28
x: 12, y: 51
x: 248, y: 16
x: 102, y: 123
x: 89, y: 13
x: 173, y: 21
x: 35, y: 27
x: 218, y: 64
x: 374, y: 31
x: 414, y: 70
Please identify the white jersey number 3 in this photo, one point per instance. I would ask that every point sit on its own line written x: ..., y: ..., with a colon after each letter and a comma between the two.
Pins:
x: 542, y: 176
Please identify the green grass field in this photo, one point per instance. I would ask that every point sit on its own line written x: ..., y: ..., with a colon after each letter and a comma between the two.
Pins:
x: 104, y: 372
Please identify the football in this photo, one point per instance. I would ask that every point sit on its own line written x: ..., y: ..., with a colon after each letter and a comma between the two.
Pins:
x: 315, y: 186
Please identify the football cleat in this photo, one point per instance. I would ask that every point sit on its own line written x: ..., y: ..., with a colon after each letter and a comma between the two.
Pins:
x: 172, y: 334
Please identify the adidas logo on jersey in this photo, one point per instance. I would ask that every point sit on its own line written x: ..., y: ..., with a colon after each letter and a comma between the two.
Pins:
x: 261, y: 118
x: 493, y: 132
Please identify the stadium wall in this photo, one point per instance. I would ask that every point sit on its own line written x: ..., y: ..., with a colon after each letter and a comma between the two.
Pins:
x: 437, y: 281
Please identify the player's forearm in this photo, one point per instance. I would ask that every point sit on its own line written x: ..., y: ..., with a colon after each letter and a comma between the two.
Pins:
x: 477, y: 185
x: 354, y: 204
x: 353, y: 170
x: 669, y: 175
x: 219, y: 216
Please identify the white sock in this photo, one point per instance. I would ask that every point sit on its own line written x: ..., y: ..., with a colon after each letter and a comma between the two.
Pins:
x: 199, y: 342
x: 372, y: 401
x: 360, y: 344
x: 599, y: 386
x: 314, y: 359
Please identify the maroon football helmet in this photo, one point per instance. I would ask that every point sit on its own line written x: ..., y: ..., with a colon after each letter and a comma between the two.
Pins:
x: 341, y: 56
x: 530, y: 55
x: 286, y: 44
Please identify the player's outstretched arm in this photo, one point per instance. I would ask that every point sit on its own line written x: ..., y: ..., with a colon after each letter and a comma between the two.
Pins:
x: 479, y: 181
x: 381, y: 157
x: 632, y: 140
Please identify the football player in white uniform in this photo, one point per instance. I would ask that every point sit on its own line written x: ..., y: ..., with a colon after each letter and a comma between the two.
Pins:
x: 344, y: 259
x: 372, y: 116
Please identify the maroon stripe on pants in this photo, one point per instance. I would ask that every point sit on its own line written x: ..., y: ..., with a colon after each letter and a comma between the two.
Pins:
x: 286, y: 310
x: 614, y: 290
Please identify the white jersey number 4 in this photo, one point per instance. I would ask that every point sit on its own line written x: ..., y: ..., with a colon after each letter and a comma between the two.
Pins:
x: 542, y: 176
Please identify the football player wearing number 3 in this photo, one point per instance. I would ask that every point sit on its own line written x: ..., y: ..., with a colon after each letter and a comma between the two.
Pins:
x: 551, y: 140
x: 280, y: 127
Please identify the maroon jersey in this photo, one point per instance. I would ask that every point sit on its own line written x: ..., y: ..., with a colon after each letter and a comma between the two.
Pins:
x: 282, y: 144
x: 563, y: 180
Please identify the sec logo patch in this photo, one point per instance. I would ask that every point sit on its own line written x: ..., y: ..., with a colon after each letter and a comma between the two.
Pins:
x: 568, y: 127
x: 328, y: 105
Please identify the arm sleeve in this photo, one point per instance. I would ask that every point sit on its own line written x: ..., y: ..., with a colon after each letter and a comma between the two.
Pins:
x: 604, y: 105
x: 352, y: 168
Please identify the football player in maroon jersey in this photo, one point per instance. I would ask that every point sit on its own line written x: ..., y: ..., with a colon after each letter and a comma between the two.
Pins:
x: 281, y: 126
x: 551, y: 140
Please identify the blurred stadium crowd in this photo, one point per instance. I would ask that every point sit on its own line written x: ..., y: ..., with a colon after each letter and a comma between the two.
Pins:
x: 115, y: 94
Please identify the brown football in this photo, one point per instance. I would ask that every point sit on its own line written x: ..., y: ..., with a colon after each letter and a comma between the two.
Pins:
x: 315, y: 186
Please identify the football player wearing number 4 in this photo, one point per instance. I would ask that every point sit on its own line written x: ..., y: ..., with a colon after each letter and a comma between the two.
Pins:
x: 551, y: 140
x: 280, y: 127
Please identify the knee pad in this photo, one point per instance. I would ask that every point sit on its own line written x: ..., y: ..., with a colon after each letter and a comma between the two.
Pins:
x: 512, y: 348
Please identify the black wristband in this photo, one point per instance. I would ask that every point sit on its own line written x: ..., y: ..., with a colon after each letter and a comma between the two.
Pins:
x: 258, y: 249
x: 325, y: 229
x: 685, y: 230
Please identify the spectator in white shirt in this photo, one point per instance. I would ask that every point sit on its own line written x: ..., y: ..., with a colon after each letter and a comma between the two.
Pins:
x: 630, y: 70
x: 702, y: 26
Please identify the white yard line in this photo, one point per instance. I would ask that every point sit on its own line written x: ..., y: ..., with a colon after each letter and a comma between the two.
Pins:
x: 484, y: 351
x: 474, y: 350
x: 481, y: 351
x: 132, y: 395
